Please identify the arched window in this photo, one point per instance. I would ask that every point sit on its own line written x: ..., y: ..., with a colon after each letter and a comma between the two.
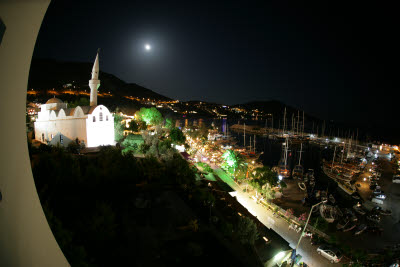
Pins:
x: 94, y: 119
x: 101, y: 116
x: 106, y: 117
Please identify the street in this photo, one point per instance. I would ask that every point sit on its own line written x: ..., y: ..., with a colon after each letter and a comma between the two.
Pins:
x: 306, y: 250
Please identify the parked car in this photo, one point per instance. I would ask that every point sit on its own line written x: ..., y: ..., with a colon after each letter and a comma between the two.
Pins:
x: 380, y: 196
x: 396, y: 179
x: 377, y: 200
x: 332, y: 254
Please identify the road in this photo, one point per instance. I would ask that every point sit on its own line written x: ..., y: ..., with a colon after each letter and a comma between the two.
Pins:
x: 306, y: 250
x: 281, y: 227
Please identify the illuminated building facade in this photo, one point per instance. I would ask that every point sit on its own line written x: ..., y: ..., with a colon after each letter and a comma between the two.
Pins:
x: 93, y: 125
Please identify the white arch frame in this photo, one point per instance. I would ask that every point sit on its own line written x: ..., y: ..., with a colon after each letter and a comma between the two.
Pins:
x: 26, y: 238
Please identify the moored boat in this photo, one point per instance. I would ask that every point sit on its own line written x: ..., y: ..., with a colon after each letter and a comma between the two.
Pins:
x: 335, y: 174
x: 343, y: 223
x: 361, y: 228
x: 347, y: 187
x: 350, y: 226
x: 358, y: 208
x: 298, y: 172
x: 302, y: 186
x: 332, y: 199
x: 328, y: 213
x: 350, y: 214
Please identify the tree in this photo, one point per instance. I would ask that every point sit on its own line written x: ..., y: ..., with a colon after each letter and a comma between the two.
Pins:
x: 133, y: 126
x: 203, y: 132
x: 177, y: 136
x: 170, y: 123
x: 142, y: 125
x: 132, y: 143
x: 247, y: 231
x: 234, y: 163
x: 150, y: 115
x: 73, y: 147
x: 265, y: 175
x: 119, y: 127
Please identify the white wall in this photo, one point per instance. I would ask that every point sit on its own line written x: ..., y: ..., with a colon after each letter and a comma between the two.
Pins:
x: 100, y: 132
x: 25, y: 237
x: 70, y: 127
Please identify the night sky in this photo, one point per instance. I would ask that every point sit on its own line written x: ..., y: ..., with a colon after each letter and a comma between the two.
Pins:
x: 337, y: 62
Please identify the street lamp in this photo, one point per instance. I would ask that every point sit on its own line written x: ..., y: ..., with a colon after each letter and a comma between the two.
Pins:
x: 304, y: 229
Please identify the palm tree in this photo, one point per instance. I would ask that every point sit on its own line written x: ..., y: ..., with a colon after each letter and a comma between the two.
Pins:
x: 234, y: 163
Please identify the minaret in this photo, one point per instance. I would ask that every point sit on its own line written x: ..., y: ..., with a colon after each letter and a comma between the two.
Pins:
x: 94, y: 83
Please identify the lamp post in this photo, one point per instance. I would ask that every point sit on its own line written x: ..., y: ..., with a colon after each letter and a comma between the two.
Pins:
x: 304, y: 229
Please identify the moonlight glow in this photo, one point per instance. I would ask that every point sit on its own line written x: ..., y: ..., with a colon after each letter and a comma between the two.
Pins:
x: 147, y: 47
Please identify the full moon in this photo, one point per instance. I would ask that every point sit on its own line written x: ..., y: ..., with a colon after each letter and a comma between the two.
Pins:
x: 147, y: 47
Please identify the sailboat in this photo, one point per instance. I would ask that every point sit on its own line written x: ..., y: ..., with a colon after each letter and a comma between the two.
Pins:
x: 298, y: 170
x: 284, y: 171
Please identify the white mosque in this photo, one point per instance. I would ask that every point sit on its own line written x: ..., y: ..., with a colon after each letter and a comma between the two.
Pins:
x: 92, y: 125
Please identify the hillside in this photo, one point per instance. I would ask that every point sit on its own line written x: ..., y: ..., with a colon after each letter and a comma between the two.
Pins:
x: 46, y: 74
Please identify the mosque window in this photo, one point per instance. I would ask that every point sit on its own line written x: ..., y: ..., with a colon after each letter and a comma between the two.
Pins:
x: 94, y: 119
x: 61, y: 139
x: 101, y: 116
x: 106, y: 117
x: 42, y: 137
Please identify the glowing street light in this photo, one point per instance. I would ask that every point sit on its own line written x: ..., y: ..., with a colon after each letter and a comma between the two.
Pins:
x: 279, y: 255
x: 304, y: 229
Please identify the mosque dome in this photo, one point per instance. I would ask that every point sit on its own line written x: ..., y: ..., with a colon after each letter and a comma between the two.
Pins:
x: 54, y: 101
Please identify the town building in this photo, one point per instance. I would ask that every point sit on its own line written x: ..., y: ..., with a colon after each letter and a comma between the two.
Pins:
x: 89, y: 125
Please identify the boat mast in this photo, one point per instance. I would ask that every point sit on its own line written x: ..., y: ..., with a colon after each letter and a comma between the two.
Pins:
x: 302, y: 132
x: 284, y: 122
x: 301, y: 151
x: 250, y: 143
x: 286, y: 150
x: 244, y: 135
x: 292, y: 122
x: 272, y: 124
x: 357, y: 140
x: 344, y: 146
x: 254, y: 143
x: 298, y: 121
x: 333, y: 160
